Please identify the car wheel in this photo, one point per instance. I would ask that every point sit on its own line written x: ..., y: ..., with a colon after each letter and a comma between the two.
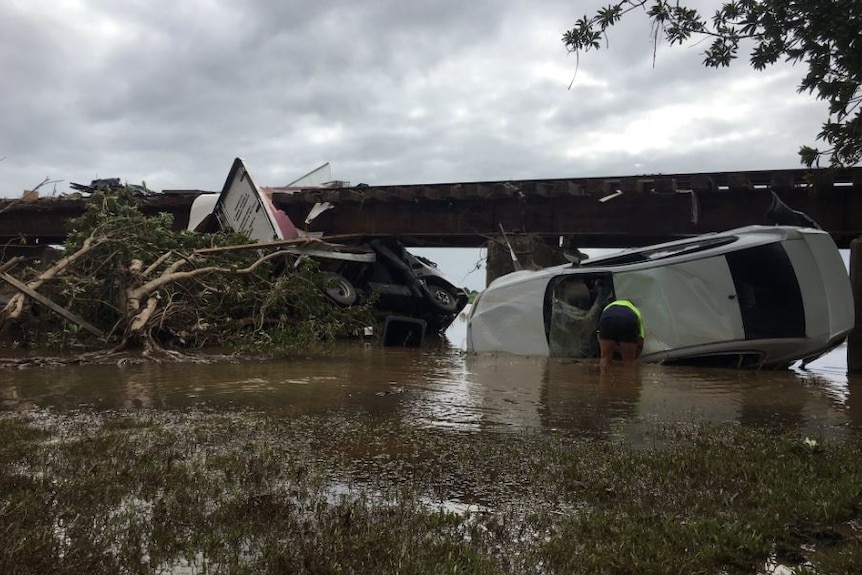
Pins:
x: 339, y: 289
x: 442, y: 296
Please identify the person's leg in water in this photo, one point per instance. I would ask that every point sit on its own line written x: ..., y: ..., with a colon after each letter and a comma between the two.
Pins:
x: 629, y: 353
x: 607, y: 348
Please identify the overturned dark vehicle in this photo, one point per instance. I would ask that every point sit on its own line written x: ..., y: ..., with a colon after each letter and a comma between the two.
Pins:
x: 400, y: 283
x: 381, y: 270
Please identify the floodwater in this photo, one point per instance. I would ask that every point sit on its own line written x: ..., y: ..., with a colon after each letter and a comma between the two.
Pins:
x: 439, y: 385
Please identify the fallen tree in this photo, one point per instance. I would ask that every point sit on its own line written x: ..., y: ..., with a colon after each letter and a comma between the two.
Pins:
x: 140, y: 285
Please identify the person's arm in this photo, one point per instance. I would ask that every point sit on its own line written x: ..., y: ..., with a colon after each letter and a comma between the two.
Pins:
x: 640, y: 347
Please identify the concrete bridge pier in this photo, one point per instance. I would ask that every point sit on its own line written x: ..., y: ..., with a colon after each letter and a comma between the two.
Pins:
x: 854, y: 342
x: 532, y: 252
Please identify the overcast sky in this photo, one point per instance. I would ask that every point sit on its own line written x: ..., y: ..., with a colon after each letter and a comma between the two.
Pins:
x: 388, y: 91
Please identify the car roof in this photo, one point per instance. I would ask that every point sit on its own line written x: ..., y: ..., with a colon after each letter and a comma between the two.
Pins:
x: 696, y: 247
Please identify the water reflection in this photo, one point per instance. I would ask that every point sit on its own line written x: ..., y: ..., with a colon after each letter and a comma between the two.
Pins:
x: 438, y: 385
x: 552, y: 393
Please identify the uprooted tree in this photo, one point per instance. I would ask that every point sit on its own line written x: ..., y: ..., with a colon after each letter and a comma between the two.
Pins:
x: 135, y: 283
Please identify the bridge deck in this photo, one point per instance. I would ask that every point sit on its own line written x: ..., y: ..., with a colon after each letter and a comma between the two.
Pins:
x: 649, y: 209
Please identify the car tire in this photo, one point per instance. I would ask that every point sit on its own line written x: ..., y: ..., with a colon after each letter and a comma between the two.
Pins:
x: 339, y: 289
x: 442, y: 296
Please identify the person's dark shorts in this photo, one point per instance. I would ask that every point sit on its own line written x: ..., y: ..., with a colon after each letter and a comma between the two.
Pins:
x: 619, y: 323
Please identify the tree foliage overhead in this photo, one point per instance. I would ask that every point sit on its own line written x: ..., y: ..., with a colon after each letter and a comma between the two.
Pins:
x: 824, y: 34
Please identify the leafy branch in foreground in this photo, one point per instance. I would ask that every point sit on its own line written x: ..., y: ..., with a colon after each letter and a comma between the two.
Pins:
x: 824, y: 34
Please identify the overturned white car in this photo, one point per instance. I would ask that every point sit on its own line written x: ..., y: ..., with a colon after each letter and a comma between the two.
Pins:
x: 758, y: 296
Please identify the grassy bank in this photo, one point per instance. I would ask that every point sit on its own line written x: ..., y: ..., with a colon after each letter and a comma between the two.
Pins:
x: 156, y: 492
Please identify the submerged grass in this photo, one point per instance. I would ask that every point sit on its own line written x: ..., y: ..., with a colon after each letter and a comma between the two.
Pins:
x: 161, y: 492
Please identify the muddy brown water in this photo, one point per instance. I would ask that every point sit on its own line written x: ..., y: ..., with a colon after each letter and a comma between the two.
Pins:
x: 439, y: 385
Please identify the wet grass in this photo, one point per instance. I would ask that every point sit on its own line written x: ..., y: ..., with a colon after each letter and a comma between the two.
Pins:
x: 162, y: 492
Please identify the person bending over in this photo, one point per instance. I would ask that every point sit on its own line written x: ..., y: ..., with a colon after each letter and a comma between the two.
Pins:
x: 621, y: 330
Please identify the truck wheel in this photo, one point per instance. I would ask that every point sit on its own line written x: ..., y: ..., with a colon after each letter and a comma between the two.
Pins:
x: 339, y: 289
x: 442, y: 296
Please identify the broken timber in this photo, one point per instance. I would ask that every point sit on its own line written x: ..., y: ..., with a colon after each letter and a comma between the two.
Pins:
x: 308, y: 246
x: 23, y: 288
